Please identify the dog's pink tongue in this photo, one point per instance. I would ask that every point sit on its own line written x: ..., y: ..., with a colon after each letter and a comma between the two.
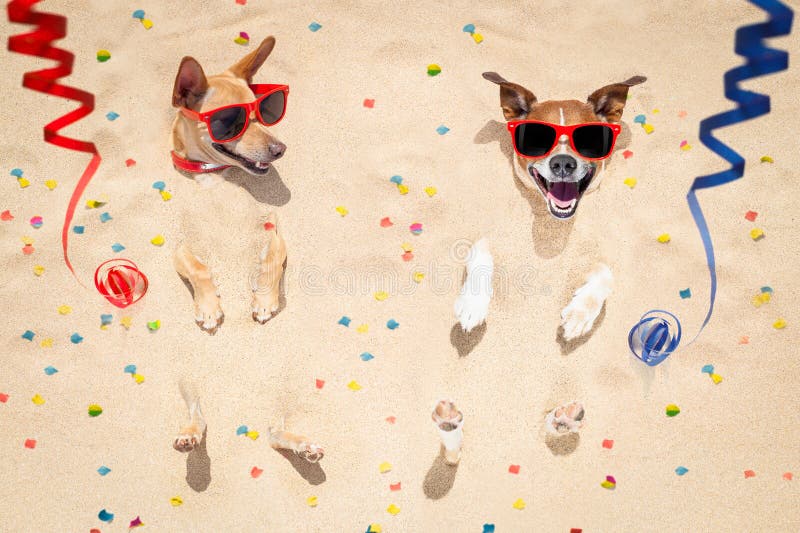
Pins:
x: 562, y: 193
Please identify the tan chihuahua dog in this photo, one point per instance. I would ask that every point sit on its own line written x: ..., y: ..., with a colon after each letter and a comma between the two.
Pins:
x: 221, y: 123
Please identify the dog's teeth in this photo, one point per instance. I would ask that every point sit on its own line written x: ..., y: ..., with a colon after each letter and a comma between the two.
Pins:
x: 259, y: 164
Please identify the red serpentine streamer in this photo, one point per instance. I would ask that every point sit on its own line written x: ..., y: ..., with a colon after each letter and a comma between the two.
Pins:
x: 51, y: 27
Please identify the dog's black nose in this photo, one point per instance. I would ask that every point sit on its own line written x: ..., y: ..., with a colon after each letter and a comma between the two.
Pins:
x: 277, y: 149
x: 563, y: 165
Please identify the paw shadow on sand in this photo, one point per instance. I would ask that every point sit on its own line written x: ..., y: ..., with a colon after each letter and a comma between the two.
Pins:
x: 562, y: 444
x: 465, y: 342
x: 567, y: 347
x: 548, y: 233
x: 311, y: 472
x: 198, y: 467
x: 440, y: 478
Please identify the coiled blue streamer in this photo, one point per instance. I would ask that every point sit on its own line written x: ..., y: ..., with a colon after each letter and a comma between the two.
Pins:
x: 652, y: 335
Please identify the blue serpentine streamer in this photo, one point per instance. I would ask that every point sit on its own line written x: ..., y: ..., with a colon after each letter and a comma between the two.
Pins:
x: 652, y: 339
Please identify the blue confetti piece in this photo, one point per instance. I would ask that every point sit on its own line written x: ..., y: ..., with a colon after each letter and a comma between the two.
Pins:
x: 345, y: 321
x: 314, y: 26
x: 708, y: 369
x: 686, y: 293
x: 117, y: 247
x: 392, y: 323
x: 488, y: 528
x: 75, y: 338
x: 78, y: 229
x: 106, y: 319
x: 112, y: 116
x: 105, y: 516
x: 105, y: 217
x: 50, y: 370
x: 396, y: 179
x: 130, y: 369
x: 469, y: 28
x: 681, y: 470
x: 28, y: 335
x: 138, y: 14
x: 16, y: 172
x: 159, y: 185
x: 103, y: 470
x: 441, y: 130
x: 640, y: 119
x: 366, y: 356
x: 241, y: 430
x: 766, y: 289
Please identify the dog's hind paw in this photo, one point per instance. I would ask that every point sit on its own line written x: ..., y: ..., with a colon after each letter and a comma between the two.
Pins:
x: 207, y: 309
x: 472, y: 304
x: 579, y: 316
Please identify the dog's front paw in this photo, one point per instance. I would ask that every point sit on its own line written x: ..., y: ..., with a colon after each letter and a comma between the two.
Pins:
x: 578, y: 317
x: 207, y: 309
x: 472, y: 305
x: 265, y: 305
x: 471, y: 309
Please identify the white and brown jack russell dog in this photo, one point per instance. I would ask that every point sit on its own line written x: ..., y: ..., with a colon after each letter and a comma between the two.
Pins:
x: 558, y: 145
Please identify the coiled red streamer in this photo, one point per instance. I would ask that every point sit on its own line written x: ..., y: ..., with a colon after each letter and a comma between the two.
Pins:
x: 49, y: 28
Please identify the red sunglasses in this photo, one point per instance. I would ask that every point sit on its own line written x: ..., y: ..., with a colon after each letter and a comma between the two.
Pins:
x: 228, y: 123
x: 592, y: 140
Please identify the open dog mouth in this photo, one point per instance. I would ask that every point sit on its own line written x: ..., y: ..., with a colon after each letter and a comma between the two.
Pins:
x: 255, y: 167
x: 562, y: 197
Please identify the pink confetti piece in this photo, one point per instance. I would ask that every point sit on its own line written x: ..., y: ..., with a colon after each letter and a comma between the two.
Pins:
x: 608, y: 444
x: 136, y: 522
x: 255, y: 472
x: 513, y: 469
x: 683, y: 143
x: 627, y: 154
x: 395, y: 487
x: 751, y: 216
x: 385, y: 222
x: 368, y: 102
x: 749, y: 474
x: 243, y: 35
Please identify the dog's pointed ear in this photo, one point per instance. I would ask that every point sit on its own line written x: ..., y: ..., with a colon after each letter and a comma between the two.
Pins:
x: 515, y: 100
x: 247, y: 67
x: 190, y: 84
x: 609, y: 102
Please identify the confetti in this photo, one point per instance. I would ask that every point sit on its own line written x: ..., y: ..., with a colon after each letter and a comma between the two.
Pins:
x: 513, y: 469
x: 630, y: 182
x: 608, y: 444
x: 685, y: 293
x: 30, y: 443
x: 434, y: 69
x: 403, y: 189
x: 3, y: 397
x: 417, y: 277
x: 111, y: 116
x: 103, y: 56
x: 147, y: 23
x: 105, y: 320
x: 756, y: 234
x: 138, y: 378
x: 130, y: 162
x: 627, y: 154
x: 255, y: 472
x: 415, y: 228
x: 477, y: 37
x: 105, y: 217
x: 779, y: 324
x: 345, y: 321
x: 664, y: 238
x: 648, y: 128
x: 685, y: 146
x: 406, y: 247
x: 38, y: 270
x: 36, y: 222
x: 430, y: 191
x: 744, y: 339
x: 23, y: 182
x: 46, y: 343
x: 391, y: 419
x: 51, y: 184
x: 75, y: 338
x: 103, y: 470
x: 369, y: 103
x: 117, y: 247
x: 78, y: 230
x: 488, y: 528
x: 397, y: 180
x: 682, y: 114
x: 27, y: 240
x: 314, y: 26
x: 767, y: 159
x: 392, y: 323
x: 366, y: 356
x: 159, y: 185
x: 138, y: 14
x: 158, y: 240
x: 268, y: 226
x: 354, y: 386
x: 788, y: 476
x: 64, y: 310
x: 136, y: 522
x: 50, y: 370
x: 381, y: 295
x: 311, y: 501
x: 16, y: 172
x: 681, y: 470
x: 519, y: 504
x: 6, y: 216
x: 175, y: 501
x: 716, y: 378
x: 154, y: 325
x: 363, y: 328
x: 95, y: 410
x: 672, y: 410
x: 28, y: 335
x: 130, y: 369
x: 243, y: 39
x: 27, y: 249
x: 385, y: 467
x: 105, y: 516
x: 749, y: 474
x: 165, y: 195
x: 469, y: 28
x: 708, y: 369
x: 393, y: 509
x: 342, y: 210
x: 126, y: 322
x: 374, y: 528
x: 385, y: 222
x: 37, y: 399
x: 441, y: 130
x: 252, y: 435
x: 394, y: 487
x: 319, y: 383
x: 640, y: 119
x: 610, y: 483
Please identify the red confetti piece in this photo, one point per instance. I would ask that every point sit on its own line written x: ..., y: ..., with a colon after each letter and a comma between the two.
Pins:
x: 749, y: 473
x: 255, y: 472
x: 395, y: 487
x: 513, y: 469
x: 391, y: 419
x: 751, y: 216
x: 93, y: 530
x: 241, y: 2
x: 787, y: 476
x: 575, y: 530
x: 129, y: 162
x: 408, y: 256
x: 269, y: 225
x: 30, y: 443
x: 320, y: 383
x: 3, y: 397
x: 6, y: 216
x: 682, y: 114
x: 27, y: 249
x: 385, y: 222
x: 369, y: 103
x: 744, y: 339
x: 627, y: 154
x: 608, y: 444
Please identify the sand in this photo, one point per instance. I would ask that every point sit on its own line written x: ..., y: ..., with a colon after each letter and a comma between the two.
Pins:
x: 505, y: 377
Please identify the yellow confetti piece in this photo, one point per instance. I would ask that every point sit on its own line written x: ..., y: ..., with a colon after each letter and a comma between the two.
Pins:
x: 27, y: 241
x: 477, y: 37
x: 519, y: 504
x: 165, y: 195
x: 363, y: 328
x: 767, y: 159
x: 94, y: 204
x: 402, y: 188
x: 374, y: 528
x: 38, y: 400
x: 175, y: 501
x: 648, y: 128
x: 342, y: 210
x: 418, y: 276
x: 756, y: 234
x: 126, y: 322
x: 406, y: 247
x: 393, y: 509
x: 46, y: 343
x: 147, y: 23
x: 158, y: 240
x: 430, y: 191
x: 779, y: 324
x: 716, y: 378
x: 23, y: 182
x: 311, y: 501
x: 64, y: 310
x: 138, y: 378
x: 656, y: 111
x: 686, y: 147
x: 38, y: 270
x: 385, y: 467
x: 630, y: 182
x: 353, y: 385
x: 51, y: 184
x: 381, y: 295
x: 252, y: 434
x: 761, y: 298
x: 664, y: 238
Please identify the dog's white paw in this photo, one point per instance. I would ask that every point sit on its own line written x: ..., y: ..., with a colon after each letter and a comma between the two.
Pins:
x: 472, y: 304
x: 264, y: 306
x: 578, y: 317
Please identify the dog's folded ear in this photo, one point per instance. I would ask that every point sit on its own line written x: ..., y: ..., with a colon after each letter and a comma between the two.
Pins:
x: 515, y: 100
x: 190, y: 84
x: 247, y: 67
x: 609, y: 102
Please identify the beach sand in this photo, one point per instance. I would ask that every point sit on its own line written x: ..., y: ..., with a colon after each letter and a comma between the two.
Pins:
x: 504, y: 377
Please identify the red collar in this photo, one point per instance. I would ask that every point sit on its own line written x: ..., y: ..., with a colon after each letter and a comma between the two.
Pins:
x: 195, y: 166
